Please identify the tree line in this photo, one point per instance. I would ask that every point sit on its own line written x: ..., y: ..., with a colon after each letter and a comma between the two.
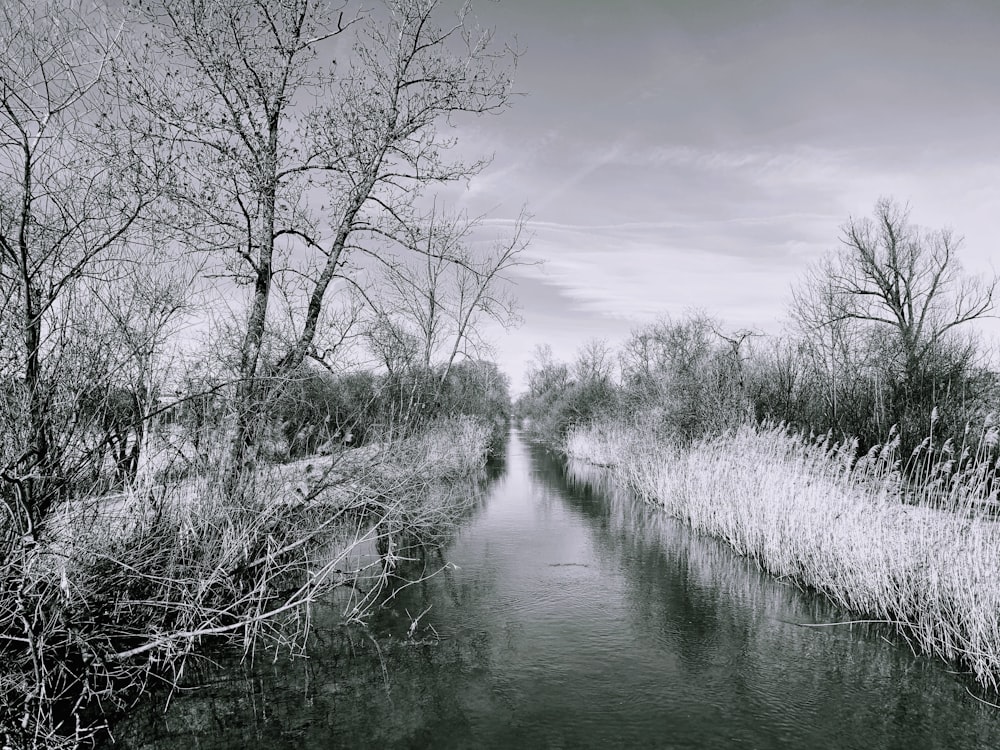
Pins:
x: 879, y: 347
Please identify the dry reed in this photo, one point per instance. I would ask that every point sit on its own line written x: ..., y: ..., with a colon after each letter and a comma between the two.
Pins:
x: 921, y: 554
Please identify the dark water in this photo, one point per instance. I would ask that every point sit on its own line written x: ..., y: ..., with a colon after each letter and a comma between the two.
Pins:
x: 577, y: 618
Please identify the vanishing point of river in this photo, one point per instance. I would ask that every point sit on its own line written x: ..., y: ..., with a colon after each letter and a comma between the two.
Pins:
x: 575, y: 617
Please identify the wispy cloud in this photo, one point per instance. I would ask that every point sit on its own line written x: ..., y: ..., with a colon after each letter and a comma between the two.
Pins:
x: 637, y: 278
x: 589, y: 162
x: 704, y: 158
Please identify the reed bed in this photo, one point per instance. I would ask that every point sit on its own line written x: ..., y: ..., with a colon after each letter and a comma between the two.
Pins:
x: 921, y: 554
x: 122, y: 592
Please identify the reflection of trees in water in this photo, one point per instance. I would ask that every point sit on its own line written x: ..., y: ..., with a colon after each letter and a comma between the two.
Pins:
x: 733, y: 628
x: 346, y: 686
x: 345, y: 691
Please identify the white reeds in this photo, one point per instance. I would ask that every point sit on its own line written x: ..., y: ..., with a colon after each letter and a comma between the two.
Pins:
x: 922, y: 553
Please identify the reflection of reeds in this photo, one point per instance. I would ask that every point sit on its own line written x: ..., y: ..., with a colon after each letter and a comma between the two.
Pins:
x: 809, y: 512
x: 121, y: 592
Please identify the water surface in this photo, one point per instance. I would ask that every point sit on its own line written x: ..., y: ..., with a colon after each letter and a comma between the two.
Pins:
x: 573, y: 617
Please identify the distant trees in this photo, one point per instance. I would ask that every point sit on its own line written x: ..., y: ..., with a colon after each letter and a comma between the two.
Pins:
x: 681, y: 378
x: 595, y: 363
x: 478, y: 388
x: 545, y: 374
x: 549, y: 407
x: 880, y: 348
x: 319, y: 411
x: 685, y: 373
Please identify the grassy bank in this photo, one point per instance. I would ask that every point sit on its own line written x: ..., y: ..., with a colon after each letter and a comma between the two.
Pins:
x: 121, y: 592
x: 923, y: 557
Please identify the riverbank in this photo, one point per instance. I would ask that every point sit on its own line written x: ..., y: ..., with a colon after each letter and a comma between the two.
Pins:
x: 120, y: 594
x: 808, y: 512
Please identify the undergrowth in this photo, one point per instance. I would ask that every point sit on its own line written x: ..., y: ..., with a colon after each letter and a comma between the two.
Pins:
x: 121, y: 592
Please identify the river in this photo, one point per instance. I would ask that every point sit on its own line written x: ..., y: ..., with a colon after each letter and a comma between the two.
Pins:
x: 571, y: 616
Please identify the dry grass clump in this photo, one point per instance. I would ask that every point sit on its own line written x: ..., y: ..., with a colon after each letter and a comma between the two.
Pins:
x: 121, y: 592
x: 923, y: 555
x: 599, y: 443
x: 112, y: 602
x: 455, y: 446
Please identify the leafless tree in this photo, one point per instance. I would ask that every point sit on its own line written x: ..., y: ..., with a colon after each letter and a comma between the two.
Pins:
x: 435, y: 283
x: 297, y: 162
x: 594, y: 362
x: 121, y: 326
x: 74, y: 184
x: 894, y: 275
x: 395, y: 348
x: 829, y: 341
x: 545, y: 373
x: 885, y: 324
x: 686, y: 375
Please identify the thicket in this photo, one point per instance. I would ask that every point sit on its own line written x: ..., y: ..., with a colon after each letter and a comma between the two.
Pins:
x: 679, y: 378
x: 317, y: 411
x: 556, y: 401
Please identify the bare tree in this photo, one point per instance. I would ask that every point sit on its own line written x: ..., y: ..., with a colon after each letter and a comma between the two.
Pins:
x: 297, y: 163
x: 829, y: 341
x: 121, y: 326
x: 594, y: 362
x: 686, y: 375
x: 435, y: 283
x: 74, y: 184
x: 482, y: 290
x: 891, y: 273
x: 395, y: 348
x: 545, y: 374
x: 884, y: 321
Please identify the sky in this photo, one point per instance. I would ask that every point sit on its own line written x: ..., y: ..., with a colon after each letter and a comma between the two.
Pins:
x: 700, y: 154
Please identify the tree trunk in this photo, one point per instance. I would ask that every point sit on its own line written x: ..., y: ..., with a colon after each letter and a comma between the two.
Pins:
x: 249, y: 396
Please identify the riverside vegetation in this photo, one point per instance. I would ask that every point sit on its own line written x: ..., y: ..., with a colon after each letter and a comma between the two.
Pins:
x: 921, y: 555
x: 123, y: 590
x: 776, y: 447
x: 241, y: 355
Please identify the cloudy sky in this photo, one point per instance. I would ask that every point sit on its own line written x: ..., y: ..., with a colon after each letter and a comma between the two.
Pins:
x: 682, y: 154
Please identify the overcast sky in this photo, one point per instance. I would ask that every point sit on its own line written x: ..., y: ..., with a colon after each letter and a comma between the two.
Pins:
x: 700, y: 153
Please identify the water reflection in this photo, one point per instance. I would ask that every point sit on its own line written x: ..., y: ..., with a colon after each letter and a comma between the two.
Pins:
x: 576, y: 617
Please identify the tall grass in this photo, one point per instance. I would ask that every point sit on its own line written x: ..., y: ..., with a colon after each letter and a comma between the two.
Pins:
x: 921, y: 554
x: 122, y: 592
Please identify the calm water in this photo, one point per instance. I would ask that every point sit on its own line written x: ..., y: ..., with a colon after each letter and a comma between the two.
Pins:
x: 577, y: 618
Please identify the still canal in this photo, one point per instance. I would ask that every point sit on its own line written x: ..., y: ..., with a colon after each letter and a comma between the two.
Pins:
x: 571, y: 616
